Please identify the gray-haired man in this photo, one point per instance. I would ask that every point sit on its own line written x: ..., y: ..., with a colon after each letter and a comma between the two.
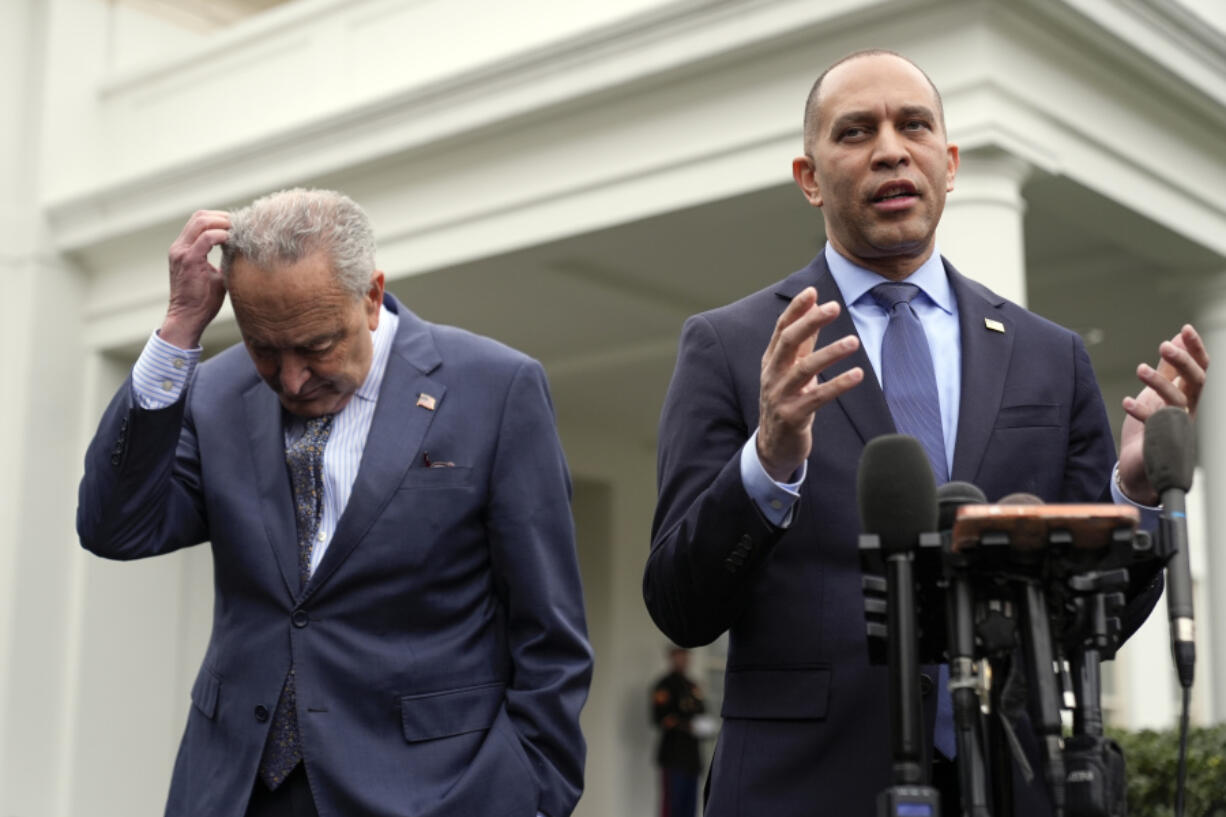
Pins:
x: 398, y: 625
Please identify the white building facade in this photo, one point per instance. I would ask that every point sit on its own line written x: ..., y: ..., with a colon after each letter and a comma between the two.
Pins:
x: 573, y: 179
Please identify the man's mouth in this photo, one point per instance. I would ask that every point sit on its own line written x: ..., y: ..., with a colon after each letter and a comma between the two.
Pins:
x: 894, y: 191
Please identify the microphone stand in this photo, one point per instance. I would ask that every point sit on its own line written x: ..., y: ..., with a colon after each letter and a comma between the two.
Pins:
x: 964, y: 688
x: 911, y: 794
x: 1040, y: 661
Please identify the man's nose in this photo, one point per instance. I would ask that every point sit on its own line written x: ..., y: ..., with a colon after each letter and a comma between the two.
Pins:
x: 293, y: 375
x: 889, y: 149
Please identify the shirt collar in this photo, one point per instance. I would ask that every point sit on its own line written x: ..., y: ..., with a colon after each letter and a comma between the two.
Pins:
x: 381, y: 340
x: 854, y: 281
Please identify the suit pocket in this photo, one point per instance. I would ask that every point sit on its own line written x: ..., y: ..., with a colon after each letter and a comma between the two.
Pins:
x: 449, y: 476
x: 455, y: 712
x: 1032, y: 416
x: 799, y: 693
x: 205, y: 692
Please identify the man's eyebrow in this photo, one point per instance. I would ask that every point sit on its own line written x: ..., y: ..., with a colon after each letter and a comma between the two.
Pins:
x: 315, y: 340
x: 917, y: 112
x: 850, y: 118
x: 319, y: 340
x: 867, y: 116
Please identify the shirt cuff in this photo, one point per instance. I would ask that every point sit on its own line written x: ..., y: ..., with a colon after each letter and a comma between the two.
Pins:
x: 162, y: 372
x: 775, y: 499
x: 1149, y: 514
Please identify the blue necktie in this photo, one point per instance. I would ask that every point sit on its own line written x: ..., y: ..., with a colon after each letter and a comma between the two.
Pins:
x: 305, y: 457
x: 910, y: 386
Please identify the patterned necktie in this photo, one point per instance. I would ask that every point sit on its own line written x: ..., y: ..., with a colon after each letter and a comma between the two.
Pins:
x: 305, y: 457
x: 907, y: 375
x: 910, y: 386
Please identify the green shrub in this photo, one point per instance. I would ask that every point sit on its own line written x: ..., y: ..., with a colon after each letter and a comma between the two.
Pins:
x: 1151, y: 760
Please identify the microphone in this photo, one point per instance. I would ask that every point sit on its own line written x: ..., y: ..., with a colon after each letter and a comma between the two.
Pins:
x: 953, y: 495
x: 896, y: 494
x: 1169, y: 461
x: 1026, y: 522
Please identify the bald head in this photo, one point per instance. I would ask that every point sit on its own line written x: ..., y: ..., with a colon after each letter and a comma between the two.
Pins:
x: 813, y: 119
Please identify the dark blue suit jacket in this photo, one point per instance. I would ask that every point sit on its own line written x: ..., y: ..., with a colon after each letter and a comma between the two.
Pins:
x: 806, y: 727
x: 439, y: 649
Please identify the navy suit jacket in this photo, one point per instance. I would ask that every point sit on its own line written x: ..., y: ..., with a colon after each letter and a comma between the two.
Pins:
x: 806, y: 718
x: 440, y: 651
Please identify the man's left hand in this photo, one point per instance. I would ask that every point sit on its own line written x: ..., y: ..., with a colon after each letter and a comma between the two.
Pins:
x: 1178, y: 381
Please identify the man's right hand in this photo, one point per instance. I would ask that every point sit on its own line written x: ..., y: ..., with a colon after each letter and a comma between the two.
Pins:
x: 790, y: 392
x: 196, y: 287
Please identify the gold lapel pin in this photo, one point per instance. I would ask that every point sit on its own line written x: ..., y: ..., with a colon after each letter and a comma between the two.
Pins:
x: 428, y: 403
x: 995, y: 326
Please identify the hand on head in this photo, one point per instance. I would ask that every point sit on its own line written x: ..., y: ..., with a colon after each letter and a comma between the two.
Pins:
x: 196, y: 287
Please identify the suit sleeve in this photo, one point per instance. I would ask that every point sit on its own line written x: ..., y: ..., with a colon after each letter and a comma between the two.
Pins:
x: 536, y: 573
x: 708, y: 536
x: 140, y: 493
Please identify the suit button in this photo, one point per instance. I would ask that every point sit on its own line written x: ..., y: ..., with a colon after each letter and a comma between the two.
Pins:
x: 925, y: 684
x: 300, y: 618
x: 115, y: 460
x: 261, y: 713
x: 746, y: 541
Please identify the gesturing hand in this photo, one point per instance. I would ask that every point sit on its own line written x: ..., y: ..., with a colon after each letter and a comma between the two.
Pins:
x: 790, y: 392
x: 1178, y: 381
x: 196, y: 287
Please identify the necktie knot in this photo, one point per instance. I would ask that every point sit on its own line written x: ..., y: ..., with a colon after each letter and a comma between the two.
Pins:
x: 308, y: 449
x: 891, y: 295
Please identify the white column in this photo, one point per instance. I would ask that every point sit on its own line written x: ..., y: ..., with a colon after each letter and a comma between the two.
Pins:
x: 981, y: 232
x: 19, y: 32
x: 41, y: 413
x: 1211, y: 432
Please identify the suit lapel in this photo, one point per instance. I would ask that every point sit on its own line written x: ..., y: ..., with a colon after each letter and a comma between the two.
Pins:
x: 986, y: 353
x: 276, y: 500
x: 865, y: 404
x: 396, y: 434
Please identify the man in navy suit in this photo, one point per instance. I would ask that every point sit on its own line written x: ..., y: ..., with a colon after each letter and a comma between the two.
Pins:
x: 763, y: 426
x: 398, y: 621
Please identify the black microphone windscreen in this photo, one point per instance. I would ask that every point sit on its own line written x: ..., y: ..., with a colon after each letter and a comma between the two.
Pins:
x: 953, y: 495
x: 1168, y: 450
x: 1020, y: 498
x: 896, y: 492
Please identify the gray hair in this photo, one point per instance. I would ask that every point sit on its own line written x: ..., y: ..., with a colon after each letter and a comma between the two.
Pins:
x: 285, y: 227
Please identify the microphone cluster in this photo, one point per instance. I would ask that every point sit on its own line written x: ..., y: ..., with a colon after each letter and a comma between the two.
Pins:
x: 1015, y: 596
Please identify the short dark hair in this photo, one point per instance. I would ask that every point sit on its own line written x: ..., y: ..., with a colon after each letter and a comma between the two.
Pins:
x: 811, y: 102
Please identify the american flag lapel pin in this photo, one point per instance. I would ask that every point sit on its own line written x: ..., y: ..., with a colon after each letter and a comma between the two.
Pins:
x: 995, y: 326
x: 426, y: 401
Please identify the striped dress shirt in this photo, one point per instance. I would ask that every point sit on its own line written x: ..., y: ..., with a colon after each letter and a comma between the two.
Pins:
x: 162, y: 372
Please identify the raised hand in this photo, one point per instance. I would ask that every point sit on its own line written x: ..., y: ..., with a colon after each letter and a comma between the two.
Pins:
x: 1178, y: 381
x: 196, y: 287
x: 790, y: 392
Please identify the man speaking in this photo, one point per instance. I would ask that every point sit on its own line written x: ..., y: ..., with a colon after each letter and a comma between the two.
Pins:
x: 763, y: 426
x: 398, y: 621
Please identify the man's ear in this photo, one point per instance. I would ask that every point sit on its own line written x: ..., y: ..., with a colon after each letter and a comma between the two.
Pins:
x: 806, y: 180
x: 373, y: 300
x: 952, y: 168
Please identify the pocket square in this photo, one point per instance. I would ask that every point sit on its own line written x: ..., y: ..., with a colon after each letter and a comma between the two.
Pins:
x: 429, y: 463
